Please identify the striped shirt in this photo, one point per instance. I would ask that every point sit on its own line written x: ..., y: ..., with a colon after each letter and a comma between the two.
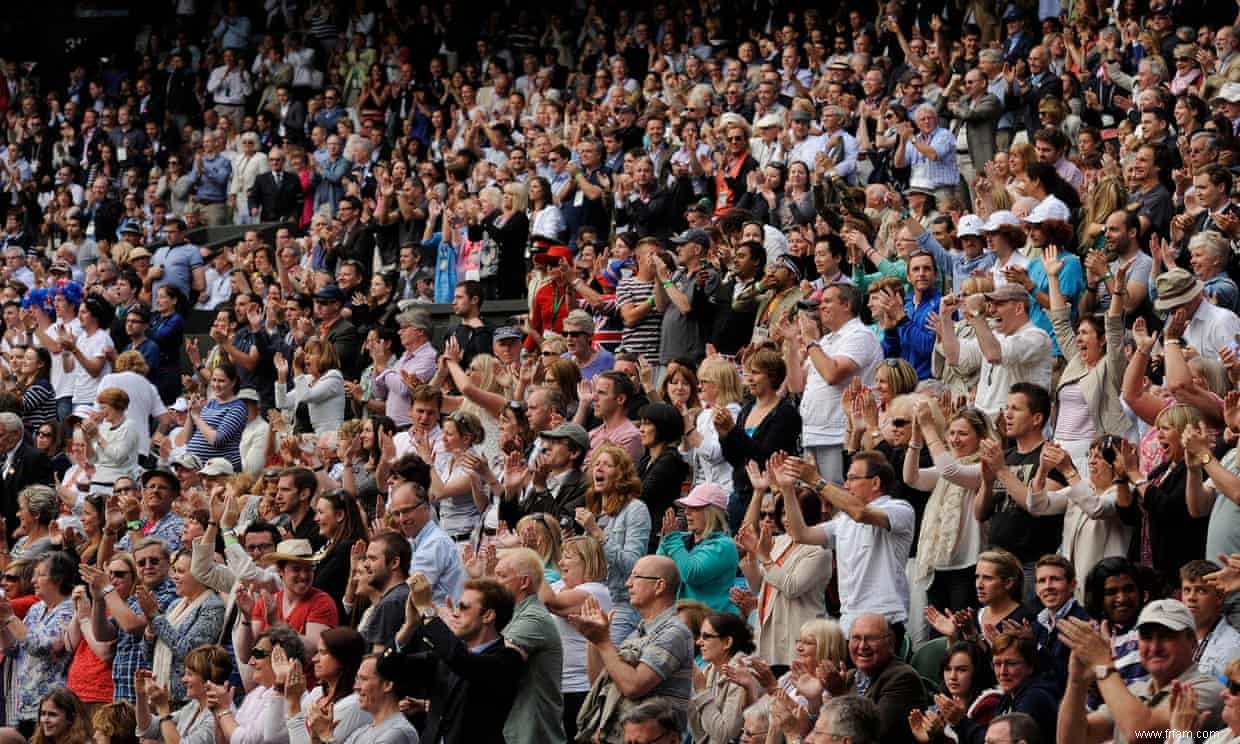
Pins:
x: 642, y: 338
x: 38, y: 406
x: 933, y: 173
x: 228, y: 420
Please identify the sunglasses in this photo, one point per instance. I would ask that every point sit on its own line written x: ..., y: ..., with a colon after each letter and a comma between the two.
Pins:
x: 259, y: 653
x: 704, y: 634
x: 574, y: 334
x: 144, y: 562
x: 120, y: 574
x: 736, y: 139
x: 1233, y: 686
x: 769, y: 514
x: 10, y: 577
x: 901, y: 422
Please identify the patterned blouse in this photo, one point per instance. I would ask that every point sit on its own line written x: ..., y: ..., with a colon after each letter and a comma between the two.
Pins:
x: 42, y: 659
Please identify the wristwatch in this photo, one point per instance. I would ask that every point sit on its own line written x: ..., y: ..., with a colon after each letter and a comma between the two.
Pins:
x: 429, y: 614
x: 1102, y: 671
x: 1205, y: 460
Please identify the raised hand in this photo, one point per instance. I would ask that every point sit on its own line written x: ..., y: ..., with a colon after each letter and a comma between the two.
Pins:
x: 745, y: 600
x: 669, y: 523
x: 942, y: 622
x: 1051, y: 261
x: 757, y: 478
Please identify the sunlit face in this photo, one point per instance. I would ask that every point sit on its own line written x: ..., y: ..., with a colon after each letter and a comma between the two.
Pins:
x: 962, y: 437
x: 53, y: 721
x: 1169, y: 439
x: 715, y: 649
x: 807, y: 647
x: 679, y: 389
x: 327, y: 518
x: 1202, y: 599
x: 1053, y: 588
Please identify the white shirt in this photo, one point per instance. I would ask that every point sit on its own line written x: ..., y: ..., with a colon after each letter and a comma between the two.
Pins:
x: 62, y: 381
x: 144, y: 403
x: 871, y: 562
x: 94, y: 346
x: 573, y: 678
x: 254, y: 446
x: 1025, y: 357
x: 1211, y: 329
x: 822, y: 410
x: 1222, y: 645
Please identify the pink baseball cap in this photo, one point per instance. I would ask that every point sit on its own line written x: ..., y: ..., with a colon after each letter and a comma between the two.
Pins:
x: 706, y: 494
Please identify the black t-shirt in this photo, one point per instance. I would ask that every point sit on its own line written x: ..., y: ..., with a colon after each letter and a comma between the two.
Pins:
x: 901, y: 490
x: 388, y: 616
x: 1012, y: 527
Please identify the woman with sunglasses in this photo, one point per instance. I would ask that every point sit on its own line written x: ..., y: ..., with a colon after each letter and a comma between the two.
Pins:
x: 950, y: 538
x: 17, y: 581
x: 1186, y: 714
x: 194, y: 618
x: 456, y: 490
x: 275, y: 650
x: 717, y: 706
x: 789, y: 580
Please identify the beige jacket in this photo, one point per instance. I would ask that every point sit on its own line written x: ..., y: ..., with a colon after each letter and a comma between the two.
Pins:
x: 716, y: 712
x: 1100, y: 386
x: 798, y: 582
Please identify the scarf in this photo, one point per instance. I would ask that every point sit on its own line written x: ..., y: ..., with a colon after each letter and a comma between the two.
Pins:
x: 161, y: 665
x: 940, y: 525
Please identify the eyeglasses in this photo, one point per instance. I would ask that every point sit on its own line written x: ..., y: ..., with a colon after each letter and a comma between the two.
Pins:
x: 575, y: 334
x: 1233, y: 686
x: 120, y: 574
x: 398, y: 513
x: 259, y: 653
x: 647, y: 578
x: 761, y: 734
x: 144, y: 562
x: 548, y: 354
x: 10, y: 577
x: 45, y: 433
x: 768, y: 514
x: 260, y: 548
x: 854, y: 476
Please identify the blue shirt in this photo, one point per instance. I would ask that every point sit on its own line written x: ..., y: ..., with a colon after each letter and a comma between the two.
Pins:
x: 436, y: 556
x: 178, y: 262
x: 954, y: 265
x: 935, y: 174
x: 212, y: 180
x: 129, y: 657
x: 912, y: 341
x: 1071, y: 283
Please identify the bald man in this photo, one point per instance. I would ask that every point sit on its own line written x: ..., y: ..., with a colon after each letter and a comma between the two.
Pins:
x: 537, y: 713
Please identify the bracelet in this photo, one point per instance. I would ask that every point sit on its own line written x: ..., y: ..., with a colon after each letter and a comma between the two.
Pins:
x: 652, y: 300
x: 668, y: 283
x: 134, y: 524
x: 916, y: 446
x: 213, y: 524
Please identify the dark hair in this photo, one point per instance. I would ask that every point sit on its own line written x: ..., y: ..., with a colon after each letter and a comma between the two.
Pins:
x: 1036, y: 396
x: 1219, y: 176
x: 286, y: 638
x: 495, y: 597
x: 1095, y: 582
x: 983, y: 672
x: 623, y: 385
x: 669, y: 424
x: 258, y: 526
x: 730, y: 625
x: 348, y: 648
x: 353, y: 528
x: 1021, y: 727
x: 413, y: 469
x: 877, y: 466
x: 231, y: 373
x: 76, y: 716
x: 757, y: 251
x: 380, y: 423
x: 1058, y: 561
x: 395, y: 547
x: 473, y: 290
x: 851, y: 295
x: 303, y: 479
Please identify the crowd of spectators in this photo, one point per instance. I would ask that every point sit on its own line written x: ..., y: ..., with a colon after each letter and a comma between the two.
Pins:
x: 872, y: 374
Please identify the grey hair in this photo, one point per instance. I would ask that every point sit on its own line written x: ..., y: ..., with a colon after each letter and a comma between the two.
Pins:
x: 1213, y: 242
x: 153, y: 542
x: 10, y: 421
x: 852, y: 716
x: 659, y: 711
x: 989, y: 55
x: 42, y: 502
x: 926, y: 107
x: 1205, y: 134
x: 760, y: 708
x: 1156, y: 68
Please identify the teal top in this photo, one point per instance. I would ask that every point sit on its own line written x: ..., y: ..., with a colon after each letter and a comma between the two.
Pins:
x: 886, y: 267
x: 708, y: 571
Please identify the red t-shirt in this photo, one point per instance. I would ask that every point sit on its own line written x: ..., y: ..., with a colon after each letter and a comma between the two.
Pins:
x: 316, y: 607
x: 552, y: 304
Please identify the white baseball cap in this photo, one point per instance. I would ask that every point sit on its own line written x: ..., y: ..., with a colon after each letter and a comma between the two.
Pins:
x: 970, y: 226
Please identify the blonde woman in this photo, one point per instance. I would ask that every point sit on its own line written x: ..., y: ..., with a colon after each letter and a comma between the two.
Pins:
x: 818, y: 641
x: 504, y: 221
x: 718, y: 387
x: 789, y: 580
x: 482, y: 395
x: 950, y: 538
x: 541, y: 533
x: 583, y: 569
x: 708, y: 560
x: 317, y: 382
x: 1104, y: 199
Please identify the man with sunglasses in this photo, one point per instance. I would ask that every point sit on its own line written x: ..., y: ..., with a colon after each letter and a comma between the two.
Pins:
x: 579, y: 333
x: 114, y: 617
x: 1168, y: 640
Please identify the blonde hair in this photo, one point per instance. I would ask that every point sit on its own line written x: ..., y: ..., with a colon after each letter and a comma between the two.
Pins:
x: 520, y: 195
x: 548, y: 550
x: 831, y: 645
x: 721, y: 372
x: 131, y: 361
x: 590, y: 552
x: 716, y: 520
x: 1007, y: 566
x: 1108, y: 196
x: 1178, y: 417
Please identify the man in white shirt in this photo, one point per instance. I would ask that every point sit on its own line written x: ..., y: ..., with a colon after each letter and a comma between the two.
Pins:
x: 871, y: 533
x: 1210, y: 327
x: 848, y: 350
x: 1015, y: 350
x: 219, y: 281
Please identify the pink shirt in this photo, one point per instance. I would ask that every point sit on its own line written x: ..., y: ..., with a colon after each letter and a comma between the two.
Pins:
x: 626, y: 436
